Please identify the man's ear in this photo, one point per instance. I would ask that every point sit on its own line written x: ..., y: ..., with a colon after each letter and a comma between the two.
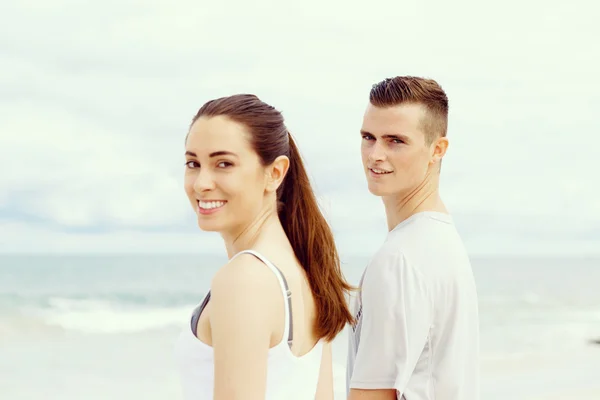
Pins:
x: 438, y: 150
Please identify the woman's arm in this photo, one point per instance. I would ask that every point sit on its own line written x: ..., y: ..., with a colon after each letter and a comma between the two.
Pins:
x: 325, y: 385
x: 241, y: 320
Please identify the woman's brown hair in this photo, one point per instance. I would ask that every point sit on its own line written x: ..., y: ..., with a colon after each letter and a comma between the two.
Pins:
x: 299, y: 213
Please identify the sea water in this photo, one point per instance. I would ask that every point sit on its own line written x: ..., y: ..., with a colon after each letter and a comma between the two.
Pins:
x: 103, y: 327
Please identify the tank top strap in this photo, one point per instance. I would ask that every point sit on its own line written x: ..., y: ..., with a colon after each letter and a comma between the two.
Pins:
x: 287, y: 294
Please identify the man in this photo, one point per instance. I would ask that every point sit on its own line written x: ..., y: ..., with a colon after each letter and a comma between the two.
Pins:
x: 416, y: 335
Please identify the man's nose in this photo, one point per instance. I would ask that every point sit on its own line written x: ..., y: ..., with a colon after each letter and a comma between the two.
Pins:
x: 377, y: 152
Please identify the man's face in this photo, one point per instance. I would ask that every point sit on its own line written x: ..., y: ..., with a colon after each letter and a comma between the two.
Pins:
x: 395, y: 154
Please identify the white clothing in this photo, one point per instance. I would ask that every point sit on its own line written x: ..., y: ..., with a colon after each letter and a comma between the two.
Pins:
x: 288, y: 376
x: 417, y: 327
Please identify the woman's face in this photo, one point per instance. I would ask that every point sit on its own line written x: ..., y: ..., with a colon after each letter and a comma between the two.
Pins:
x: 224, y: 179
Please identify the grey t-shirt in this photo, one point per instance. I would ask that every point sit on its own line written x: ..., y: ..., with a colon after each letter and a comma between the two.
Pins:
x: 417, y: 327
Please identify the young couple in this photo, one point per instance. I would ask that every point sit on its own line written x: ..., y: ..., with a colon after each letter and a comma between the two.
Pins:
x: 264, y: 329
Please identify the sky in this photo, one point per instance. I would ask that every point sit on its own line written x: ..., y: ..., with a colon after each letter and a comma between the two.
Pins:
x: 96, y: 98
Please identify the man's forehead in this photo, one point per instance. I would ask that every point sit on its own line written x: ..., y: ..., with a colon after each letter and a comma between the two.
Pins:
x: 398, y: 112
x: 404, y: 119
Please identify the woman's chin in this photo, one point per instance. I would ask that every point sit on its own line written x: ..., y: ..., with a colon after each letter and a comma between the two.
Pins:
x: 209, y: 226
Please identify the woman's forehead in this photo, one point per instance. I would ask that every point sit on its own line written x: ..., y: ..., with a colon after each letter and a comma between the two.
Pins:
x: 218, y: 134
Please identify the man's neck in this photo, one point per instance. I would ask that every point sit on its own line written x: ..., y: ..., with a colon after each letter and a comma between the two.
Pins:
x: 425, y: 197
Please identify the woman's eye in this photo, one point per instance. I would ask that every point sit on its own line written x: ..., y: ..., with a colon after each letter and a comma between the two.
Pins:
x: 224, y: 164
x: 192, y: 164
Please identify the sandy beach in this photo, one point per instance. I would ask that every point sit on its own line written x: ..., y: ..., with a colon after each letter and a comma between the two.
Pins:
x: 132, y: 366
x: 563, y: 375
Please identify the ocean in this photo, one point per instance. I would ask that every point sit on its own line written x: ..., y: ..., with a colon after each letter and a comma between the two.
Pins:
x: 103, y: 327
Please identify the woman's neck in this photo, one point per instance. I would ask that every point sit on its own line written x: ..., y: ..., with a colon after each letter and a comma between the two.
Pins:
x: 266, y: 223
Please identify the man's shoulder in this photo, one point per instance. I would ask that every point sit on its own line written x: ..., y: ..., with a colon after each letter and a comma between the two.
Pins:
x: 429, y: 243
x: 422, y: 224
x: 390, y: 267
x: 389, y: 253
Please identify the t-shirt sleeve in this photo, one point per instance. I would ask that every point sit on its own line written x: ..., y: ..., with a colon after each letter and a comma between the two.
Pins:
x: 396, y: 319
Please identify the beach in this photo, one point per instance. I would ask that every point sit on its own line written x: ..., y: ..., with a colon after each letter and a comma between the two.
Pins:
x: 62, y: 365
x: 105, y: 327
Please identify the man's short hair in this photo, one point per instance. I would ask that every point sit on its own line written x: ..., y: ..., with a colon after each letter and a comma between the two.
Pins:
x: 415, y: 90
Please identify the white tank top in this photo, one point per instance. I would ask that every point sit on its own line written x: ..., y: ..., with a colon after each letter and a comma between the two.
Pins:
x: 288, y: 376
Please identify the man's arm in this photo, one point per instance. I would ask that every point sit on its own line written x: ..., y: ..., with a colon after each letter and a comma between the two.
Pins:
x: 396, y: 319
x: 372, y: 394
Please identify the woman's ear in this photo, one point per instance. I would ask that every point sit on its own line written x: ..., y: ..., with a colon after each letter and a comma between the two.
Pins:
x: 276, y: 173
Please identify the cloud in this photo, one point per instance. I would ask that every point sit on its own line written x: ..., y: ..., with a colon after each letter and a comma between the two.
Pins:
x: 16, y: 237
x: 74, y: 172
x: 97, y: 97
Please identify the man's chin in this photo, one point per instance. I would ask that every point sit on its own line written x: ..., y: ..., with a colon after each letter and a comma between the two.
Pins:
x: 383, y: 190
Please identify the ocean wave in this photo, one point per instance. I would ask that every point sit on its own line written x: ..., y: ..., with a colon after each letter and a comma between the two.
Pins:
x: 523, y: 299
x: 504, y: 325
x: 92, y: 315
x: 157, y: 299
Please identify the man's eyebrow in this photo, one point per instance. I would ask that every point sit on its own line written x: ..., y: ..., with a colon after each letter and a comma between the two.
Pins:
x: 404, y: 138
x: 397, y: 136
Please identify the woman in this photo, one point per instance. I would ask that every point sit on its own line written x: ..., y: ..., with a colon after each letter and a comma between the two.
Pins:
x: 264, y: 329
